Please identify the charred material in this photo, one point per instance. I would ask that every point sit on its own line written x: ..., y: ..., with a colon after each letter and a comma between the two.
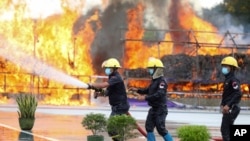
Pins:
x: 200, y: 69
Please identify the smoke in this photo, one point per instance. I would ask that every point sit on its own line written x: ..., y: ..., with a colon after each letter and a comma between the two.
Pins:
x: 34, y: 66
x: 199, y: 5
x: 89, y: 4
x: 109, y: 39
x: 213, y: 11
x: 227, y: 23
x: 42, y: 9
x: 160, y: 14
x: 174, y: 23
x: 156, y: 13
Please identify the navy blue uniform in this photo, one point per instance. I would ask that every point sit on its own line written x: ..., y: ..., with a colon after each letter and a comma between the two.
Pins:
x: 231, y: 96
x: 117, y: 94
x: 156, y: 98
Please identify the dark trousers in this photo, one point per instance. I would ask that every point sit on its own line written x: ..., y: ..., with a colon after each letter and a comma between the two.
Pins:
x: 156, y: 118
x: 227, y: 120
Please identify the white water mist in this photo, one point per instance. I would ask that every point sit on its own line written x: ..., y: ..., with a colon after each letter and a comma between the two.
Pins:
x: 36, y: 66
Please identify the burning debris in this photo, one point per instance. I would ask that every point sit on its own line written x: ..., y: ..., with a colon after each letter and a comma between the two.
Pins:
x: 200, y: 68
x: 189, y: 73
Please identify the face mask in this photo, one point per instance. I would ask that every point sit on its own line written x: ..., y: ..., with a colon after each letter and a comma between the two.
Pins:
x: 225, y: 70
x: 151, y: 71
x: 108, y: 71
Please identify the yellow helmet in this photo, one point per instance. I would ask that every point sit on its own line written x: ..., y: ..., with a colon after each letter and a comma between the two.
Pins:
x: 154, y: 62
x: 229, y: 61
x: 111, y: 63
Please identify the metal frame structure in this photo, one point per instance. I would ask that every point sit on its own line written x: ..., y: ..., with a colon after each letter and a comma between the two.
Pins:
x: 191, y: 33
x: 195, y: 43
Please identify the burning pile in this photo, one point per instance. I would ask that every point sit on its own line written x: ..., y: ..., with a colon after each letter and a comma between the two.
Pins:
x: 202, y: 70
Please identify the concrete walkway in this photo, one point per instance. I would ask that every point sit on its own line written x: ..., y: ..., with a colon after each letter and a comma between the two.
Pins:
x: 63, y: 123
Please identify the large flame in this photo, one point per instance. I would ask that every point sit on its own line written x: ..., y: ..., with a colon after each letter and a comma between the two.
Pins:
x: 52, y: 40
x: 188, y: 20
x: 136, y: 51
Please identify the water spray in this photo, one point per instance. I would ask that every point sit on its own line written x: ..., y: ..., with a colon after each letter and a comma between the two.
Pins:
x: 36, y: 66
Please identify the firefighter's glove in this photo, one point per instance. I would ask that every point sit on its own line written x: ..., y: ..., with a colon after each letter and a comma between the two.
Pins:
x: 132, y: 89
x: 99, y: 92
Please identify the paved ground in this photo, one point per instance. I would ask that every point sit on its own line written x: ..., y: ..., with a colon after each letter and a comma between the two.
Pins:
x: 63, y: 123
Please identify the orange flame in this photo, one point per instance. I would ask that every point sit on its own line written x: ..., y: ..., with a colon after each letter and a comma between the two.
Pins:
x: 190, y: 21
x: 137, y: 53
x: 51, y: 40
x: 138, y: 83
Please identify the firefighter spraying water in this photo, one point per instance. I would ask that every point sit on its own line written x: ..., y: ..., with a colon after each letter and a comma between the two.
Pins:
x: 115, y: 90
x: 155, y: 96
x: 115, y: 87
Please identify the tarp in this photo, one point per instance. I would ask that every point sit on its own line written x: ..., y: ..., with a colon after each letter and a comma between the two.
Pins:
x: 135, y: 102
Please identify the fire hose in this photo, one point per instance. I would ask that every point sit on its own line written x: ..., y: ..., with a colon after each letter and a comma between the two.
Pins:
x: 139, y: 127
x: 100, y: 92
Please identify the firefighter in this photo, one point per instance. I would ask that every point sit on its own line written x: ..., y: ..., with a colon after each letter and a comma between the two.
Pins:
x: 156, y: 97
x: 231, y: 96
x: 115, y: 89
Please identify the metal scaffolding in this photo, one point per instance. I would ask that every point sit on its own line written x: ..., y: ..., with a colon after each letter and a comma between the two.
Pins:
x: 229, y: 40
x: 191, y: 38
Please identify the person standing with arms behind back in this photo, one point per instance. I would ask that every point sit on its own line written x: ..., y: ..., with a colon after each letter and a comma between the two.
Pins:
x: 116, y: 90
x: 156, y: 96
x: 231, y: 96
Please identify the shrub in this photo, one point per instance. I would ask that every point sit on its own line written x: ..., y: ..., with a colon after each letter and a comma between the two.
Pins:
x: 95, y: 122
x: 123, y: 125
x: 27, y: 105
x: 193, y: 133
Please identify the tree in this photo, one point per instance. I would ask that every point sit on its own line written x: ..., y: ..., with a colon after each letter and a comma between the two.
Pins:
x: 237, y: 6
x: 239, y: 9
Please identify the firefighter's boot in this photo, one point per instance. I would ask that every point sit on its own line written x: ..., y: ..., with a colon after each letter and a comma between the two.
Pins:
x: 168, y: 137
x: 150, y: 136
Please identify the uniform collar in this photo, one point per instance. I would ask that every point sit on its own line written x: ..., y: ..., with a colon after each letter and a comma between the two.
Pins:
x: 113, y: 73
x: 230, y: 74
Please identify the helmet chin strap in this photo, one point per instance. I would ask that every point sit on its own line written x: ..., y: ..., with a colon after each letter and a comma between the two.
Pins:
x: 232, y: 68
x: 113, y: 70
